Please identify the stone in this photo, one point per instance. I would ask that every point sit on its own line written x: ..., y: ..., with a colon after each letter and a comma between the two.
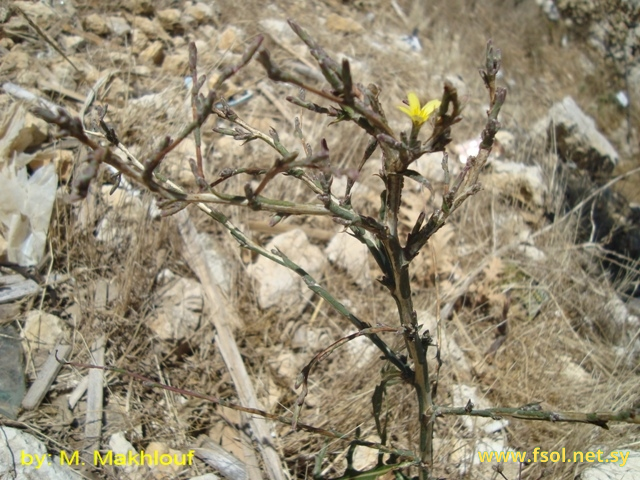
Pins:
x: 26, y: 201
x: 279, y: 29
x: 31, y: 134
x: 495, y: 426
x: 338, y: 23
x: 169, y: 18
x: 4, y: 248
x: 97, y: 24
x: 139, y: 41
x: 577, y: 139
x: 154, y: 53
x: 17, y: 441
x: 151, y: 28
x: 287, y: 365
x: 119, y: 59
x: 531, y: 252
x: 611, y: 33
x: 206, y: 54
x: 6, y: 43
x: 118, y: 26
x: 5, y: 13
x: 573, y: 372
x: 225, y: 449
x: 410, y: 43
x: 626, y: 325
x: 164, y: 468
x: 121, y: 223
x: 139, y: 7
x: 620, y: 315
x: 613, y: 469
x: 361, y: 351
x: 119, y: 91
x: 634, y: 79
x: 180, y: 309
x: 550, y: 9
x: 209, y: 32
x: 505, y: 144
x: 73, y: 313
x: 42, y: 330
x: 352, y: 255
x: 430, y: 167
x: 199, y: 13
x: 165, y: 276
x: 128, y: 205
x: 465, y: 149
x: 63, y: 73
x: 449, y: 348
x: 70, y: 43
x: 151, y: 102
x: 17, y: 60
x: 510, y: 469
x: 119, y: 445
x: 15, y: 23
x: 276, y: 285
x: 177, y: 163
x: 176, y: 63
x: 38, y: 12
x: 524, y: 183
x: 228, y: 38
x: 300, y: 338
x: 366, y: 458
x: 141, y: 70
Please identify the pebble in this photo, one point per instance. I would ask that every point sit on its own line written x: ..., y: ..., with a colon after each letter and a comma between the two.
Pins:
x: 97, y: 24
x: 340, y: 24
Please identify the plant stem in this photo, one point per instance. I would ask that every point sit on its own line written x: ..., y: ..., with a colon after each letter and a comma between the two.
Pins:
x: 251, y: 411
x: 595, y: 418
x: 400, y: 288
x: 401, y: 292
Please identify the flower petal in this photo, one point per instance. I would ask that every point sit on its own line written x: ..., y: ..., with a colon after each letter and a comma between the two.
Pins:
x: 404, y: 109
x: 414, y: 102
x: 418, y: 114
x: 430, y: 107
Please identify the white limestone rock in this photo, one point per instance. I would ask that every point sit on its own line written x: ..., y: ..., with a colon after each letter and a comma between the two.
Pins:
x: 524, y: 183
x: 576, y: 137
x: 277, y: 285
x: 20, y: 454
x: 352, y: 255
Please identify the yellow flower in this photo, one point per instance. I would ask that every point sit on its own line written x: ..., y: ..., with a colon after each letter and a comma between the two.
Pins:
x: 418, y: 114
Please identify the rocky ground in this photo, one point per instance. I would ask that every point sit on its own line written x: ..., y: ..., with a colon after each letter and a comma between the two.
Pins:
x: 535, y: 279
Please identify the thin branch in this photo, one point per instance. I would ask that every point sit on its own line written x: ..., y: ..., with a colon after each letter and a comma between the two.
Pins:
x: 148, y: 382
x: 303, y: 377
x: 600, y: 419
x: 195, y: 89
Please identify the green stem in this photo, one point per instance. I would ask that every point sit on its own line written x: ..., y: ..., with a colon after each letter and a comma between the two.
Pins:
x: 400, y: 288
x: 313, y: 285
x: 595, y: 418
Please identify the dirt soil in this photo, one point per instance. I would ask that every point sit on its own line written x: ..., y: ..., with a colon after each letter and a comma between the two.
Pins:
x: 562, y: 346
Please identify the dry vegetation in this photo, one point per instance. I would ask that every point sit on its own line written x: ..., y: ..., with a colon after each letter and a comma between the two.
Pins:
x: 567, y: 356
